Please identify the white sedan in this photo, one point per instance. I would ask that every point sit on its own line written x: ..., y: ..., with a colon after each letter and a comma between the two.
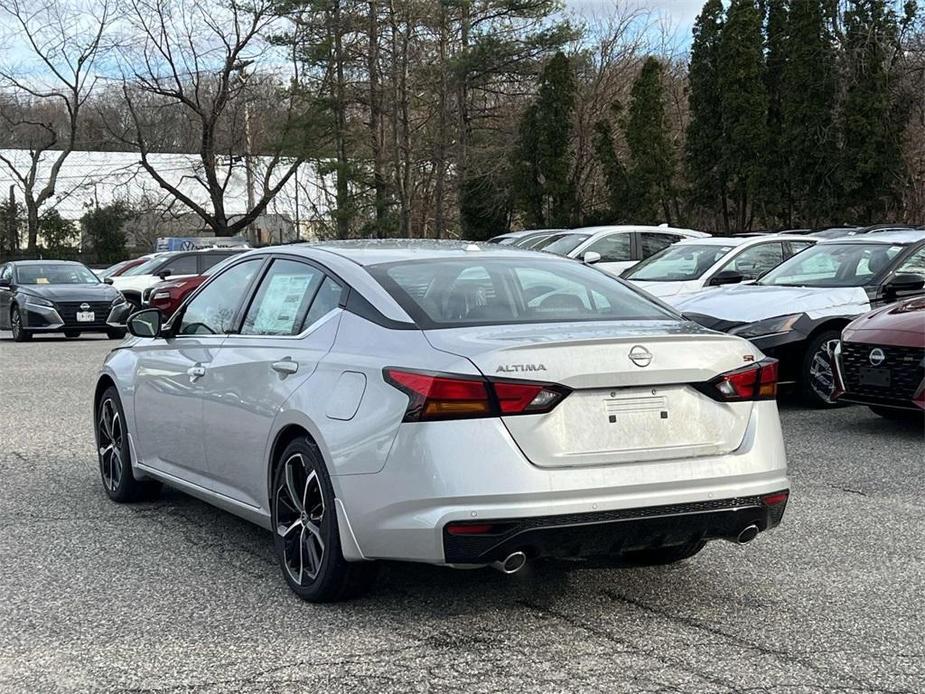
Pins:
x: 692, y: 265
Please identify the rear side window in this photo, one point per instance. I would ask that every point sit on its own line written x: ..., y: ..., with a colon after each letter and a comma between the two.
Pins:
x: 207, y: 260
x: 327, y: 299
x: 445, y: 293
x: 651, y: 243
x: 282, y: 299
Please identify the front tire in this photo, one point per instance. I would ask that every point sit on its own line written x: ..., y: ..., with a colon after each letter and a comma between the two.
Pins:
x: 817, y: 377
x: 114, y: 454
x: 20, y: 334
x: 305, y: 531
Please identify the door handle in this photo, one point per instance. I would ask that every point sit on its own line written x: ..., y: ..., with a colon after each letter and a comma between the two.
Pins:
x: 195, y: 372
x: 285, y: 366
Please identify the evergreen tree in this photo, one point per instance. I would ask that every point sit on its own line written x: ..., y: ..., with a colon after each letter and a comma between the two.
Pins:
x: 776, y: 179
x: 619, y: 199
x: 744, y: 106
x: 705, y: 172
x: 103, y: 227
x: 872, y: 117
x: 543, y: 168
x: 808, y: 135
x: 652, y: 157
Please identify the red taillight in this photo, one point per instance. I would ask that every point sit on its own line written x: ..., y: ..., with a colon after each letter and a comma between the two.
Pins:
x: 469, y: 528
x: 433, y: 396
x: 754, y: 382
x: 776, y: 498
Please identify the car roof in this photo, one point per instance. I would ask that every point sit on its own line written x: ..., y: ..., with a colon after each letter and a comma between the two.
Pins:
x: 368, y: 252
x: 45, y: 262
x: 631, y: 227
x: 906, y: 237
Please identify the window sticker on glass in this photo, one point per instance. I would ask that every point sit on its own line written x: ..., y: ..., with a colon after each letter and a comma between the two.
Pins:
x: 280, y: 306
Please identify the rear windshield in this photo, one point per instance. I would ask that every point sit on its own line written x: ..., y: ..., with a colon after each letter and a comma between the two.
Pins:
x: 678, y: 263
x: 448, y: 293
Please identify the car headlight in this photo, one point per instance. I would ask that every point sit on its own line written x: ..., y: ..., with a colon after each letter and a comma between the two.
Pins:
x: 39, y: 301
x: 769, y: 326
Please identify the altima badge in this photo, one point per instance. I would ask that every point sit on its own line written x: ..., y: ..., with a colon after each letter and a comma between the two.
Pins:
x: 877, y: 357
x: 640, y: 356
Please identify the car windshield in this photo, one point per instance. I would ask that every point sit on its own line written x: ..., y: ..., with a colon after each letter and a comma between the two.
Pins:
x: 563, y: 244
x: 678, y: 263
x: 55, y: 273
x: 145, y: 268
x: 446, y: 293
x: 113, y: 269
x: 833, y: 265
x: 531, y: 241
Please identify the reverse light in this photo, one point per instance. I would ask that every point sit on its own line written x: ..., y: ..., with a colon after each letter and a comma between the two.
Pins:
x: 435, y: 396
x: 756, y: 381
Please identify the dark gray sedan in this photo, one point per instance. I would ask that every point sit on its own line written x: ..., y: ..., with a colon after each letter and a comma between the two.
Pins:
x: 58, y: 296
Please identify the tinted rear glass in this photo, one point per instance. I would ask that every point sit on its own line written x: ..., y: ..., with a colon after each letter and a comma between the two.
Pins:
x: 445, y: 293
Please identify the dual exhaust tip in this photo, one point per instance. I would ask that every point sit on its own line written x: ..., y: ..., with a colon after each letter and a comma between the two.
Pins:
x: 515, y: 561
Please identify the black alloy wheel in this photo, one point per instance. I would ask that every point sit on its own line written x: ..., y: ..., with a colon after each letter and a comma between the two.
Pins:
x: 114, y: 454
x: 306, y: 536
x: 20, y: 334
x: 818, y: 372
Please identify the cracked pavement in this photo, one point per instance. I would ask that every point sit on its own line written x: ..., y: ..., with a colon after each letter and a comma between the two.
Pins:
x: 176, y: 596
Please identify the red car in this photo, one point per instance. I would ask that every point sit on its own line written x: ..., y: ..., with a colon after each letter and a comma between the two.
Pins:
x: 881, y: 360
x: 169, y: 294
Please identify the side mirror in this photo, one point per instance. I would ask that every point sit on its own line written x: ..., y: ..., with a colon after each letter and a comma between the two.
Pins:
x: 726, y: 277
x: 5, y: 283
x: 146, y: 323
x: 163, y: 274
x: 904, y: 282
x: 591, y: 257
x: 108, y: 280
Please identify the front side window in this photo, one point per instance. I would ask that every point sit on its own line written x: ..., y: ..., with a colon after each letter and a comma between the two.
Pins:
x: 53, y: 273
x: 445, y: 293
x: 283, y: 299
x: 913, y: 265
x: 755, y: 261
x: 212, y: 311
x: 652, y: 243
x: 833, y: 265
x: 614, y: 248
x: 185, y: 265
x: 678, y: 263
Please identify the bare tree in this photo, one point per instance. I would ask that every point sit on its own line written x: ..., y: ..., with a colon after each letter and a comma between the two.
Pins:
x: 43, y: 105
x: 198, y: 61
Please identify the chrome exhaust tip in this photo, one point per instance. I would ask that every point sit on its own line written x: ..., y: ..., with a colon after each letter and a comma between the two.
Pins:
x: 511, y: 564
x: 749, y: 533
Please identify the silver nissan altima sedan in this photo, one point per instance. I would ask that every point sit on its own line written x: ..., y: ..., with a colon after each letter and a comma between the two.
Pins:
x: 448, y: 403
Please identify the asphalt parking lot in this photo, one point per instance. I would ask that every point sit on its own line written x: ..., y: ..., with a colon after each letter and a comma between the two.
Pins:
x: 176, y: 596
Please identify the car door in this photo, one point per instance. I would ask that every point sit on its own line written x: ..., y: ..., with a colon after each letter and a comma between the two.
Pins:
x: 288, y: 328
x: 754, y: 261
x: 170, y: 373
x: 6, y: 293
x: 616, y: 251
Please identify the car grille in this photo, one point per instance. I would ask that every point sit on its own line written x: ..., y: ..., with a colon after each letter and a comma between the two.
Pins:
x: 68, y: 312
x: 906, y: 365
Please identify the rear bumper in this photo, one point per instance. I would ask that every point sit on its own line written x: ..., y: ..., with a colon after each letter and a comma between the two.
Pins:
x: 610, y: 533
x: 445, y: 472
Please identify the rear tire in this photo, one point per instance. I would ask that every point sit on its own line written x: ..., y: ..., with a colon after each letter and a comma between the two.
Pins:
x: 816, y: 375
x: 71, y: 334
x: 659, y: 556
x: 115, y: 458
x: 305, y: 531
x: 20, y: 334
